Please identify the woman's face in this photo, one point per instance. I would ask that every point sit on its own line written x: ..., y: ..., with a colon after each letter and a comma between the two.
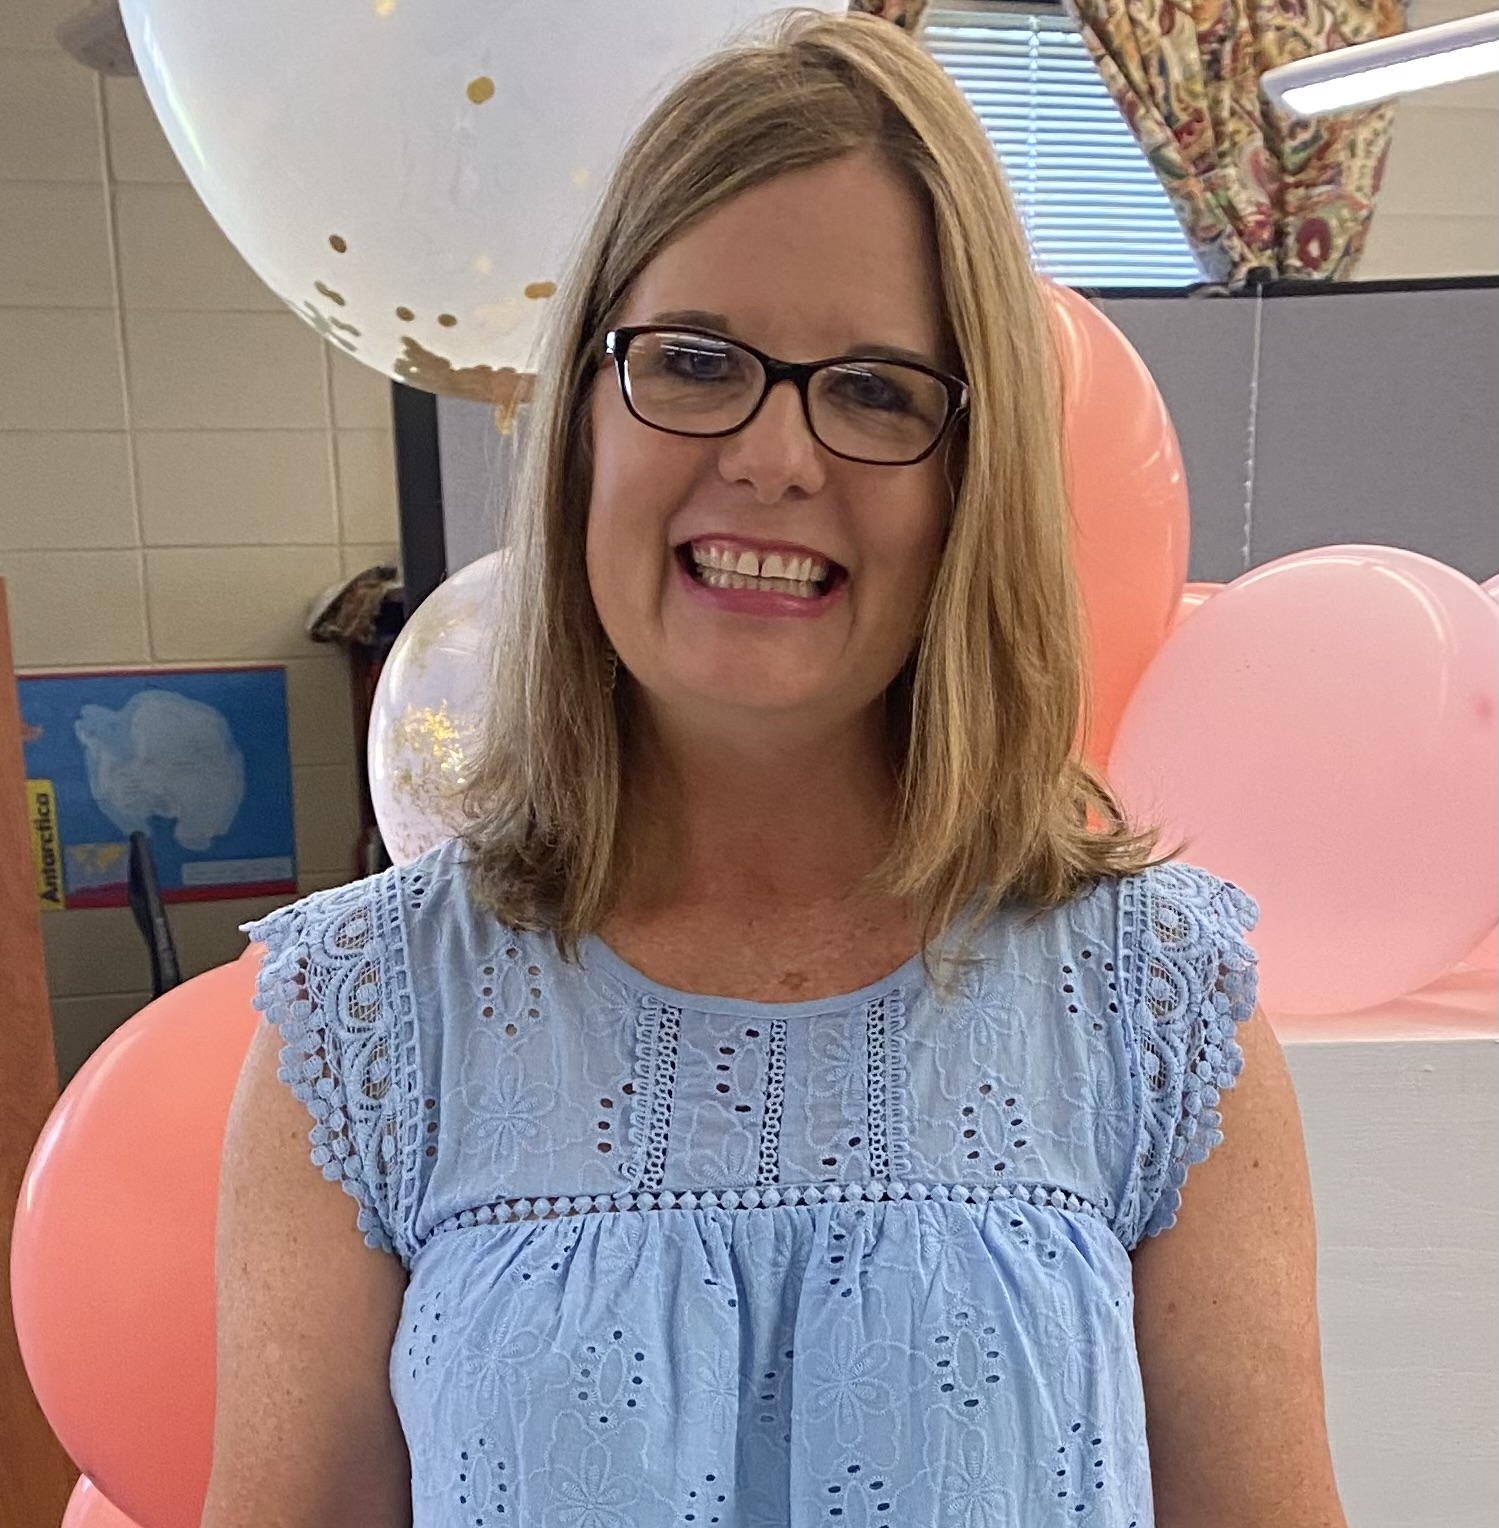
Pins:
x: 835, y: 260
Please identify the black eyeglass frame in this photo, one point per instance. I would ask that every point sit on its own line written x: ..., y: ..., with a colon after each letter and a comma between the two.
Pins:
x: 617, y: 344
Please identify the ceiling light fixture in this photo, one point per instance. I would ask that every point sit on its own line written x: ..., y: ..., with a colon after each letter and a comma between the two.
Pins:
x: 1369, y: 72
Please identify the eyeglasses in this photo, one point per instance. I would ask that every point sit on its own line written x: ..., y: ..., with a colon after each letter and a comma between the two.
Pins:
x: 862, y: 408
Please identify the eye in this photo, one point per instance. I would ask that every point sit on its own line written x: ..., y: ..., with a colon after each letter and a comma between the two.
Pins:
x: 696, y: 360
x: 867, y: 387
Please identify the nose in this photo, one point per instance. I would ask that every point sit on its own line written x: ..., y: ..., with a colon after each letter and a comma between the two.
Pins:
x: 775, y: 453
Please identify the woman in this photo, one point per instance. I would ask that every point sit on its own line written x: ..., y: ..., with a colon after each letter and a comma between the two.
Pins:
x: 767, y: 1114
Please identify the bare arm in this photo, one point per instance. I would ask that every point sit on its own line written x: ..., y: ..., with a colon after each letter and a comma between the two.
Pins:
x: 1226, y: 1323
x: 305, y: 1432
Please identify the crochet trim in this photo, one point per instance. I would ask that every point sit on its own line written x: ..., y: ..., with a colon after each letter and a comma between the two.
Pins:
x: 1194, y: 976
x: 772, y: 1196
x: 349, y: 1043
x: 657, y: 1029
x: 884, y: 1023
x: 775, y: 1104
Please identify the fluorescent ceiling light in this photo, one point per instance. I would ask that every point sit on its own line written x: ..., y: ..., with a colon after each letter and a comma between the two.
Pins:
x: 1390, y: 66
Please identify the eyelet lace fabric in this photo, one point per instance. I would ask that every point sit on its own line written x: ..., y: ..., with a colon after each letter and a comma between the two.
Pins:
x: 1197, y: 983
x: 685, y: 1259
x: 334, y: 984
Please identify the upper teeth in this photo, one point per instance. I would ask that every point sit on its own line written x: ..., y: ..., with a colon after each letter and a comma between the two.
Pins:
x: 801, y: 570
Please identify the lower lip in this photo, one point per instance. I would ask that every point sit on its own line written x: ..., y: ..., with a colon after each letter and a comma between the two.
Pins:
x: 761, y: 602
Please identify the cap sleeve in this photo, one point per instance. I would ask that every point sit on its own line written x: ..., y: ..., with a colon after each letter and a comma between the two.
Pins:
x: 333, y: 982
x: 1193, y: 979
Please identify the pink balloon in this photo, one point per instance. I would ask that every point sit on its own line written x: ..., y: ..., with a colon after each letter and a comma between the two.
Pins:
x: 89, y: 1507
x: 1486, y: 956
x: 113, y: 1250
x: 1127, y: 492
x: 1323, y: 733
x: 1193, y: 595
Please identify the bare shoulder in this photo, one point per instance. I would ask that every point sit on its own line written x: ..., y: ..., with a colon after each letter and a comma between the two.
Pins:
x: 306, y: 1314
x: 1226, y: 1322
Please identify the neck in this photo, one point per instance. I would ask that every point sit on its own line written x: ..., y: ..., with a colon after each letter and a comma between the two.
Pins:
x: 757, y: 819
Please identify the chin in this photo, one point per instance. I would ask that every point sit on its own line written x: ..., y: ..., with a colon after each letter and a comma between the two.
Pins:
x: 771, y: 711
x: 765, y: 699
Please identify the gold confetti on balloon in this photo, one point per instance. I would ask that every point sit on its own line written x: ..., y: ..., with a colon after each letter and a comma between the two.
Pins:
x: 330, y: 294
x: 481, y: 90
x: 434, y: 737
x: 385, y: 7
x: 437, y: 374
x: 539, y: 289
x: 338, y: 244
x: 447, y: 320
x: 405, y: 315
x: 483, y: 265
x: 581, y: 176
x: 435, y: 770
x: 427, y: 714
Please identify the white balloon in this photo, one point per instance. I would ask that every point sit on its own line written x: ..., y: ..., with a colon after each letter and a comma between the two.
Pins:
x: 411, y: 175
x: 428, y: 708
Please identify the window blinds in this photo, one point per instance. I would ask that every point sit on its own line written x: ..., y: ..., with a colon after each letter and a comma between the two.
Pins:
x: 1096, y: 214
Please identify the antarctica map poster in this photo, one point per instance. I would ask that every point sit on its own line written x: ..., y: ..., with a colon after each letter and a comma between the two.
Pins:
x: 196, y: 759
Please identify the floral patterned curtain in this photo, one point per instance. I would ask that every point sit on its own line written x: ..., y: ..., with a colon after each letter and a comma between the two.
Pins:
x: 906, y: 14
x: 1255, y: 189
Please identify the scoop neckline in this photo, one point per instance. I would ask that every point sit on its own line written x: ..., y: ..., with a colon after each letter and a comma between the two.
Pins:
x: 741, y: 1007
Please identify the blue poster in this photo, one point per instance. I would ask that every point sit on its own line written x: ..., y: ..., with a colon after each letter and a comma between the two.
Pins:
x: 197, y: 759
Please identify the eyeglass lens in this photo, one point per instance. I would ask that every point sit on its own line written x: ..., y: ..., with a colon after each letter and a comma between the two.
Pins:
x: 876, y: 411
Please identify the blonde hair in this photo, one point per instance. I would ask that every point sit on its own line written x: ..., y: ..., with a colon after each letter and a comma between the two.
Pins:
x: 994, y: 800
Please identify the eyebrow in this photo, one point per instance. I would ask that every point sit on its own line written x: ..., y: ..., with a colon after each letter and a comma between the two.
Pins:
x: 696, y: 318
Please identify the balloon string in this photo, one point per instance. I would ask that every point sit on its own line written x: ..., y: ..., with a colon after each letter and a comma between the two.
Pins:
x: 1254, y: 422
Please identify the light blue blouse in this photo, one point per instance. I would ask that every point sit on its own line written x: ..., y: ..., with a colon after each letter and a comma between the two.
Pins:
x: 681, y: 1259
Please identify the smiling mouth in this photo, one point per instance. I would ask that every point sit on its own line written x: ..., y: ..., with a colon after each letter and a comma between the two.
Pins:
x: 725, y: 578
